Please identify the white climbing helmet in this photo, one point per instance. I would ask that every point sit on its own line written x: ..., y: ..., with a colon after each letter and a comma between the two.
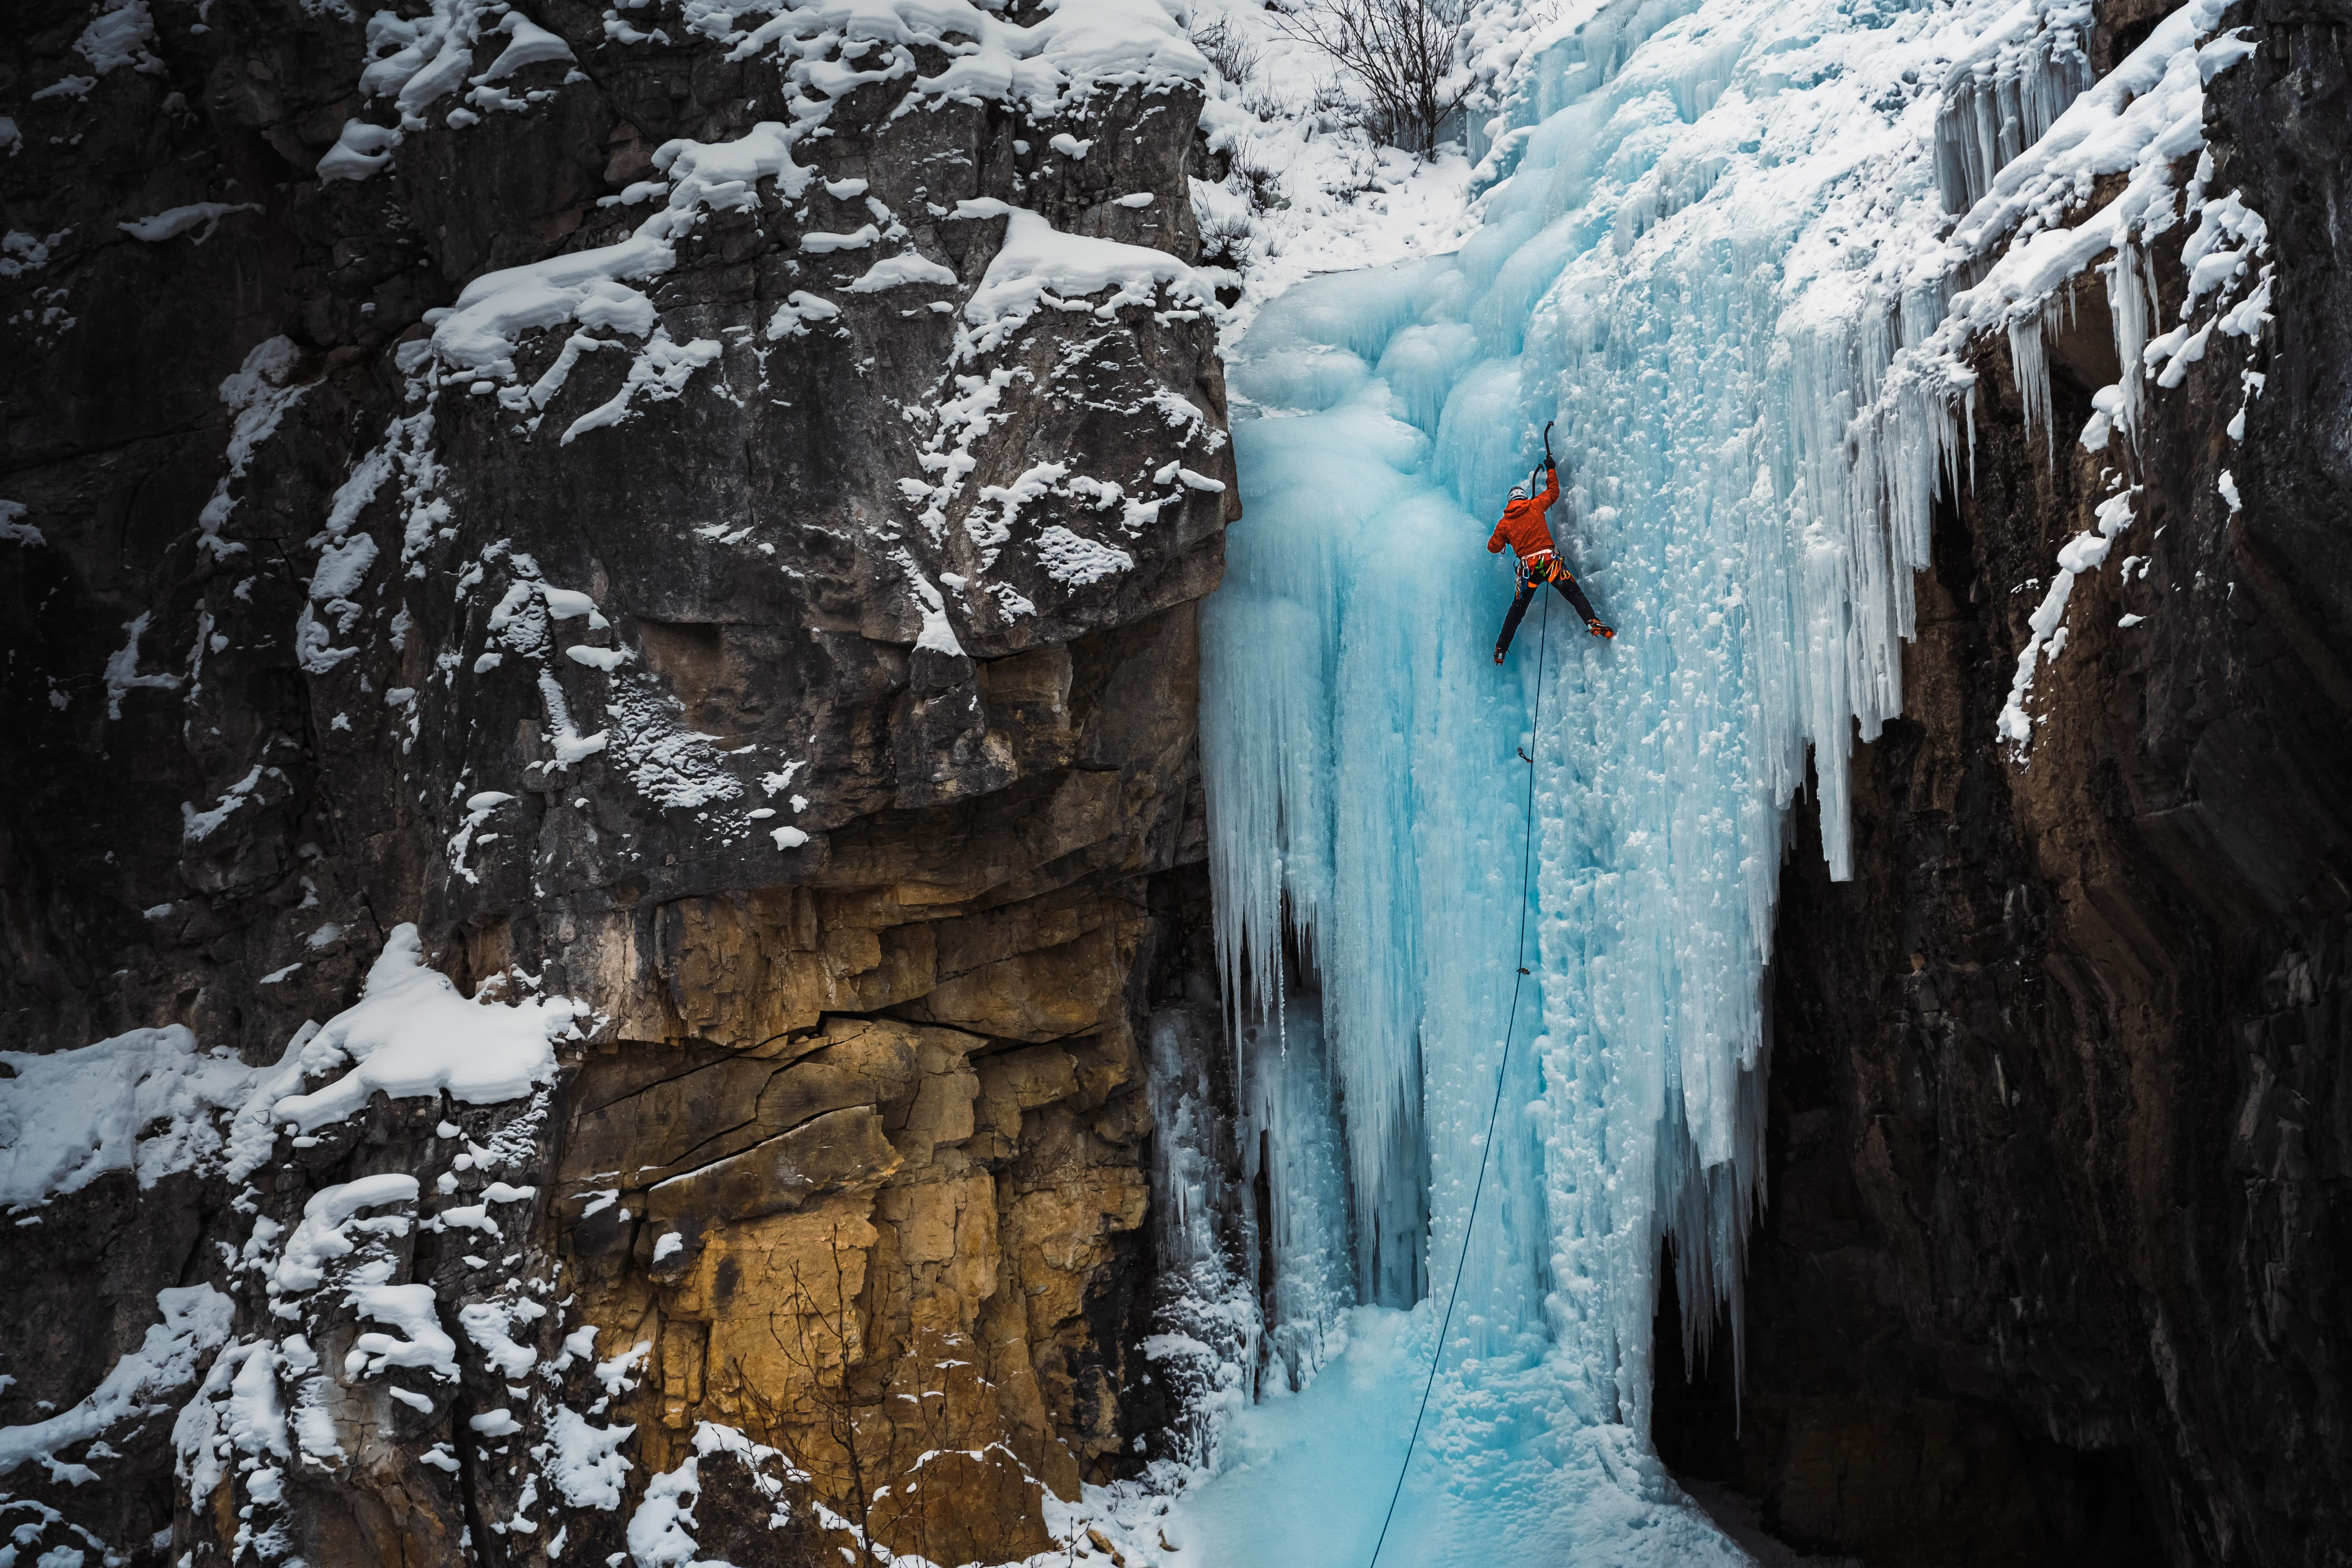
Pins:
x: 1520, y: 492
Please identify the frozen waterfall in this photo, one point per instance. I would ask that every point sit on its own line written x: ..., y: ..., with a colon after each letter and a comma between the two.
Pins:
x: 1712, y: 259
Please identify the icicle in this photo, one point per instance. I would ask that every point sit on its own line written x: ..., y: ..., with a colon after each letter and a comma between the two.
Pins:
x: 2032, y: 370
x: 2002, y: 99
x: 2130, y: 308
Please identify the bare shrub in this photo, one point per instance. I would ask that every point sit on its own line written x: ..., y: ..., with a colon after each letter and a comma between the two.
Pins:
x: 1226, y: 240
x: 1406, y: 55
x: 1335, y: 109
x: 830, y: 1441
x: 1261, y: 185
x: 1231, y: 51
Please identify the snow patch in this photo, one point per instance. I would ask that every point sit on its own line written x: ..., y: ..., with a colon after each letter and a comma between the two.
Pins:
x: 69, y: 1117
x: 419, y: 1340
x: 411, y: 1033
x: 122, y: 675
x: 361, y: 150
x: 323, y: 1234
x: 1039, y: 265
x: 1072, y: 559
x: 896, y: 271
x: 121, y: 34
x: 480, y: 334
x: 196, y: 1322
x: 584, y: 1462
x: 172, y: 221
x: 2045, y: 633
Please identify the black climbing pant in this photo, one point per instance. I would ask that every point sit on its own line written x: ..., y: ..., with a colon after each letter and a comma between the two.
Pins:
x: 1534, y: 574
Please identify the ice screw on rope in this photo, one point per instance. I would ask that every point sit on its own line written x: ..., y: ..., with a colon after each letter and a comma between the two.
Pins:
x: 1494, y: 1113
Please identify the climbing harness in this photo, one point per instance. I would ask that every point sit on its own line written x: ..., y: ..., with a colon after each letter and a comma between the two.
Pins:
x: 1544, y: 566
x: 1493, y: 1114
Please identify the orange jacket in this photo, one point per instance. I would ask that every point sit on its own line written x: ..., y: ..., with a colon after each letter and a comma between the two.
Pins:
x: 1523, y: 522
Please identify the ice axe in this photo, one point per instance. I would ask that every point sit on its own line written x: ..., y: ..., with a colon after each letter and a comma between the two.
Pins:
x: 1536, y: 477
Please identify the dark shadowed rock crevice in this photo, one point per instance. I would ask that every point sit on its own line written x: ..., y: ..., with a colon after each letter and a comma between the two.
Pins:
x: 2061, y: 1130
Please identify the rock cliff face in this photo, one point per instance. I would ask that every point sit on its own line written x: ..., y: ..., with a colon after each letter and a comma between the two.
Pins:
x: 680, y: 528
x: 2061, y: 1125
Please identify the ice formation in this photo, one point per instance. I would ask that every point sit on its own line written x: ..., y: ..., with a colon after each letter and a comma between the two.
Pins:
x: 1720, y: 252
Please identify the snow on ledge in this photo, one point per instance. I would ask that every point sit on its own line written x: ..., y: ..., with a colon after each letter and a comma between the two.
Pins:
x: 411, y: 1033
x: 172, y: 221
x: 1041, y: 265
x: 195, y: 1323
x: 1048, y: 66
x: 69, y: 1117
x: 1077, y: 560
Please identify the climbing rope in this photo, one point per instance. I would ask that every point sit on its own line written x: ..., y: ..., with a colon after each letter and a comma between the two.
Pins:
x: 1493, y: 1114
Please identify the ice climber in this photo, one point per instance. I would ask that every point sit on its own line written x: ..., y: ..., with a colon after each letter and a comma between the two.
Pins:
x: 1523, y: 530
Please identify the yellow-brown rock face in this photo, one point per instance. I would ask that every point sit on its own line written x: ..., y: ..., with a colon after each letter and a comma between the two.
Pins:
x: 861, y: 1164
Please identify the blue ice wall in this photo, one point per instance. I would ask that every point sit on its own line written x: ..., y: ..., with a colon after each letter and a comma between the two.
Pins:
x: 1697, y: 269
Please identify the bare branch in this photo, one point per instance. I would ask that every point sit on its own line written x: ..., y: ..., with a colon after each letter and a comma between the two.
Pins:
x: 1229, y: 50
x: 1406, y: 55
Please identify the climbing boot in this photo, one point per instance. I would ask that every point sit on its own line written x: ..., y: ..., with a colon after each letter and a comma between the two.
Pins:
x: 1499, y: 655
x: 1597, y: 629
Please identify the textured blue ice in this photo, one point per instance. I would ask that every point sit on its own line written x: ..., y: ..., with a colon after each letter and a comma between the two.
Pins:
x: 1700, y: 268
